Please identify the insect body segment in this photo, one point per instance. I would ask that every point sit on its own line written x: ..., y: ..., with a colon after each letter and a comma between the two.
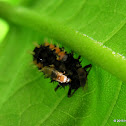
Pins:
x: 82, y: 74
x: 55, y: 75
x: 60, y: 66
x: 61, y: 55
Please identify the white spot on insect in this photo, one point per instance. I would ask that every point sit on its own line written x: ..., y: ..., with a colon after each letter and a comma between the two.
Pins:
x: 68, y: 80
x: 65, y: 79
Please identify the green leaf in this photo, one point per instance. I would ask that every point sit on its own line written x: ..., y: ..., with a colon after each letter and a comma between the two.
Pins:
x: 3, y: 29
x: 95, y: 30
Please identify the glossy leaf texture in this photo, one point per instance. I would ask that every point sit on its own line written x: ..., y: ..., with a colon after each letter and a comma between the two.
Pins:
x: 28, y: 99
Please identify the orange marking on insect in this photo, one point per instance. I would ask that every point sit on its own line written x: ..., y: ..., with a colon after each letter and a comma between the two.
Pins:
x: 47, y: 44
x: 62, y: 78
x: 51, y: 46
x: 39, y: 65
x: 61, y: 55
x: 57, y: 49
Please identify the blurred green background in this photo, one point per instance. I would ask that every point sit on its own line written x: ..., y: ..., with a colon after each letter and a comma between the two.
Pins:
x: 28, y: 99
x: 4, y: 27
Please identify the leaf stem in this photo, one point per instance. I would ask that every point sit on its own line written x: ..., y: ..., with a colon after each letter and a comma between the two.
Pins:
x: 92, y: 50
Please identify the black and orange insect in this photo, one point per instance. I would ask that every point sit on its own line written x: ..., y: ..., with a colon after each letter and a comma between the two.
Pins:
x: 60, y: 66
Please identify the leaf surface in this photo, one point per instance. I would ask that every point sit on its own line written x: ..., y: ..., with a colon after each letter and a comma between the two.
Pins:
x: 28, y: 99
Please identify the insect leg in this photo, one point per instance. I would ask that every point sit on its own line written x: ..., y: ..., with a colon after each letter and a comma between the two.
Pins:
x: 86, y: 67
x: 57, y: 87
x: 69, y: 92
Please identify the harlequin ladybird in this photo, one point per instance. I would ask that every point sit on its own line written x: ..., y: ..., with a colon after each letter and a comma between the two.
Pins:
x: 66, y: 69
